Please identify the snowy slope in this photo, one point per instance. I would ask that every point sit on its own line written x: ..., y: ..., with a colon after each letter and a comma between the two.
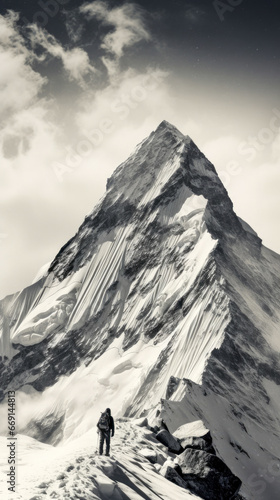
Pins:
x: 76, y: 472
x: 161, y: 280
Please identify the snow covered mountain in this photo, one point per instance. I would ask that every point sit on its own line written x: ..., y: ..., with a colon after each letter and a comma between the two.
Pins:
x: 164, y: 296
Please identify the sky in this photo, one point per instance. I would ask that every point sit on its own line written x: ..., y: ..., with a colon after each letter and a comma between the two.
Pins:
x: 82, y: 83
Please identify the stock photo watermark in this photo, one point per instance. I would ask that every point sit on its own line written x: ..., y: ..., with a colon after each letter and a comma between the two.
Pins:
x: 11, y: 442
x: 120, y: 109
x: 258, y: 482
x: 223, y: 8
x: 47, y: 9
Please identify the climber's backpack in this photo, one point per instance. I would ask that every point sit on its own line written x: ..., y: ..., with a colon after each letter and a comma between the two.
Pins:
x: 104, y: 422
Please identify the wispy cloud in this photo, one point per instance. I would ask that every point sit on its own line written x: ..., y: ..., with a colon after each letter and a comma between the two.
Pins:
x: 75, y: 61
x: 19, y: 83
x: 73, y: 25
x: 127, y: 29
x: 23, y: 110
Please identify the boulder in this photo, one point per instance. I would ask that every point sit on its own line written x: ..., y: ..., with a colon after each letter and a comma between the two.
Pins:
x: 197, y: 444
x: 207, y: 476
x: 155, y: 429
x: 195, y: 435
x: 169, y: 441
x: 150, y: 455
x: 161, y: 458
x: 169, y: 463
x: 172, y: 472
x: 172, y: 475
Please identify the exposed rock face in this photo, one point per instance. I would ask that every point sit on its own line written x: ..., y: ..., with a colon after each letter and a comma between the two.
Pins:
x: 172, y: 386
x: 207, y: 476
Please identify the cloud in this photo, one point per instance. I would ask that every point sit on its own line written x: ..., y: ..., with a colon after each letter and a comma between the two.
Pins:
x: 19, y: 83
x: 127, y: 28
x: 221, y: 150
x: 276, y: 148
x: 73, y: 25
x: 75, y: 61
x: 23, y: 110
x: 119, y: 102
x: 257, y: 196
x: 7, y: 32
x: 28, y: 139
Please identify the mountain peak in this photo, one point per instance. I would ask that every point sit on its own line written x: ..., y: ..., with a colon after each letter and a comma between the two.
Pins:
x: 165, y: 125
x: 162, y: 292
x: 167, y: 167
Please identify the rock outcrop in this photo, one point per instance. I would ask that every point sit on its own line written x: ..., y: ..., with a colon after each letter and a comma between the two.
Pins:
x: 195, y: 469
x: 207, y: 475
x: 195, y: 435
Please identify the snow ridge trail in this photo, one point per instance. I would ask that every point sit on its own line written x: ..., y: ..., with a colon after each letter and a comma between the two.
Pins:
x: 75, y: 472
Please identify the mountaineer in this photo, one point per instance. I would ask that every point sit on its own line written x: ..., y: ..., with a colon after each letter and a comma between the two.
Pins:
x: 106, y: 428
